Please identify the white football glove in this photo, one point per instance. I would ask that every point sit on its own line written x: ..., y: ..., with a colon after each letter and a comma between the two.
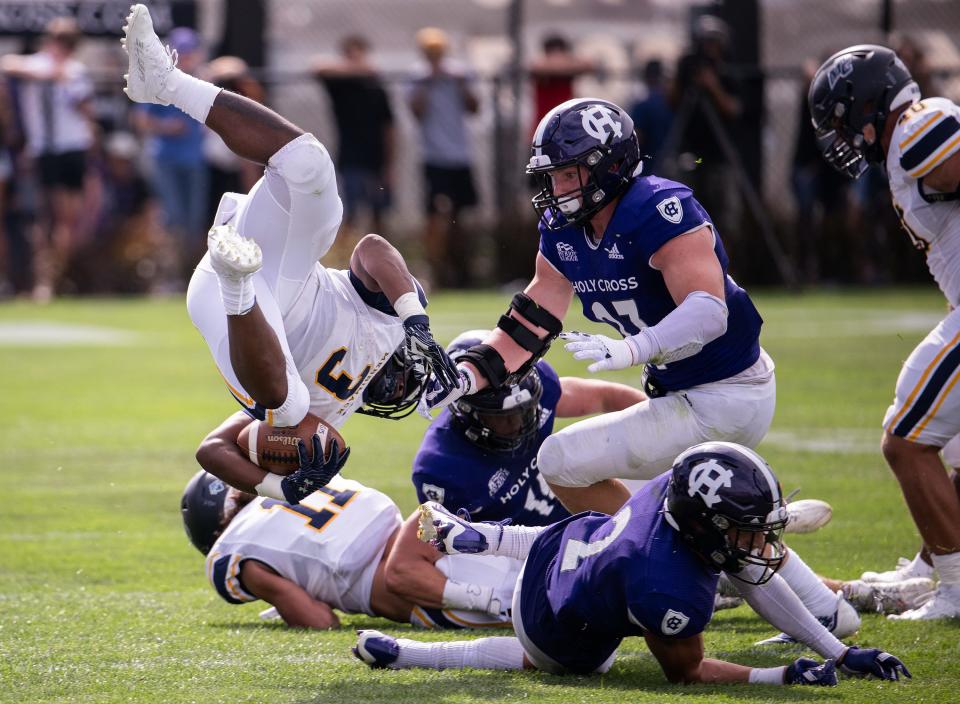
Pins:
x: 607, y: 354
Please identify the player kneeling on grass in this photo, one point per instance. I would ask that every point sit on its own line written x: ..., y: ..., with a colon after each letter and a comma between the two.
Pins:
x: 342, y: 547
x: 651, y: 569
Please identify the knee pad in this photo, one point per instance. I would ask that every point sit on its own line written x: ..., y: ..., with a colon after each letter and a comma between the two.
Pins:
x: 304, y: 164
x: 550, y: 462
x: 295, y: 407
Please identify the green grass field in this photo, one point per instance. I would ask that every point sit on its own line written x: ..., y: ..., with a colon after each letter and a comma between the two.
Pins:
x: 102, y: 599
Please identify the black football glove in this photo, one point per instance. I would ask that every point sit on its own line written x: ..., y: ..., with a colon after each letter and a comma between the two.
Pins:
x: 313, y: 473
x: 423, y: 349
x: 872, y: 662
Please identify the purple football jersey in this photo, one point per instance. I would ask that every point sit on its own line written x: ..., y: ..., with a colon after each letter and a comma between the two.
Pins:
x: 451, y: 470
x: 620, y: 575
x: 617, y: 285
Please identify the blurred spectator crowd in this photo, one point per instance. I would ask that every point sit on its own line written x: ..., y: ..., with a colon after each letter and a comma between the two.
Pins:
x: 99, y: 196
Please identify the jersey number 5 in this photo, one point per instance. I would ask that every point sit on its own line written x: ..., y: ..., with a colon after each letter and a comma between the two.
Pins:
x: 576, y: 550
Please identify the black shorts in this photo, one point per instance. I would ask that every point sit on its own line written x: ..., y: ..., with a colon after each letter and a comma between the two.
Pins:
x: 64, y: 170
x: 455, y: 184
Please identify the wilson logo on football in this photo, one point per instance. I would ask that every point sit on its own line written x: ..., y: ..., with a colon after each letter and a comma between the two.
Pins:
x: 283, y: 439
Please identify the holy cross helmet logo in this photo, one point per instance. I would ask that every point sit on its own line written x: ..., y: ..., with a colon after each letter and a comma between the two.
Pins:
x: 598, y: 122
x: 707, y: 478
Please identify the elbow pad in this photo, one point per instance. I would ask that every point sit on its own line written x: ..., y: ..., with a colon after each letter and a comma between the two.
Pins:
x: 524, y: 336
x: 295, y: 407
x: 699, y: 319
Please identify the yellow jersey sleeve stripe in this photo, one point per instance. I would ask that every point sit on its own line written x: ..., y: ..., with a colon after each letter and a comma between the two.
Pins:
x: 915, y: 433
x: 937, y: 158
x: 923, y: 128
x: 922, y: 382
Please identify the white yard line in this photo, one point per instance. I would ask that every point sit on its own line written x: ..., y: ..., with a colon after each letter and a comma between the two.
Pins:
x: 37, y: 333
x: 840, y: 441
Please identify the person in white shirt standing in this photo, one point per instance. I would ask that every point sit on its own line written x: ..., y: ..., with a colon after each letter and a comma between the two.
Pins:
x: 55, y: 99
x: 866, y: 107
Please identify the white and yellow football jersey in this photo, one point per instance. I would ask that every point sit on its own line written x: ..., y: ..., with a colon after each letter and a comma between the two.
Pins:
x: 926, y: 135
x: 926, y: 406
x: 330, y: 544
x: 335, y: 333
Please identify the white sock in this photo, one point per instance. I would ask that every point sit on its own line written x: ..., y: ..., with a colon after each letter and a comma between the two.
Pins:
x: 767, y: 675
x: 949, y: 568
x: 237, y: 294
x: 472, y: 597
x: 814, y: 594
x: 503, y: 653
x: 509, y: 541
x: 192, y: 95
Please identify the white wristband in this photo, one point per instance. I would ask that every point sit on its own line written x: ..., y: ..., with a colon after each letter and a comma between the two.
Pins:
x: 271, y: 487
x: 471, y: 379
x: 641, y: 347
x: 767, y: 675
x: 409, y: 305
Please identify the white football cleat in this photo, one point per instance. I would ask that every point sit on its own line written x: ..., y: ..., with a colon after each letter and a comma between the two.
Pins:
x: 844, y: 622
x: 452, y: 534
x: 889, y: 597
x: 233, y: 256
x: 944, y: 603
x: 150, y: 63
x: 906, y: 569
x: 807, y: 515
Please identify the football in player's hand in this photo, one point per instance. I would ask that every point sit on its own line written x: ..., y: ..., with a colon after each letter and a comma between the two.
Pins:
x: 275, y: 449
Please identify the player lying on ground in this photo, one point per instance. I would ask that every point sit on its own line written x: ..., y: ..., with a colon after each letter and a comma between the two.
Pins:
x: 651, y: 569
x: 287, y: 334
x: 342, y: 547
